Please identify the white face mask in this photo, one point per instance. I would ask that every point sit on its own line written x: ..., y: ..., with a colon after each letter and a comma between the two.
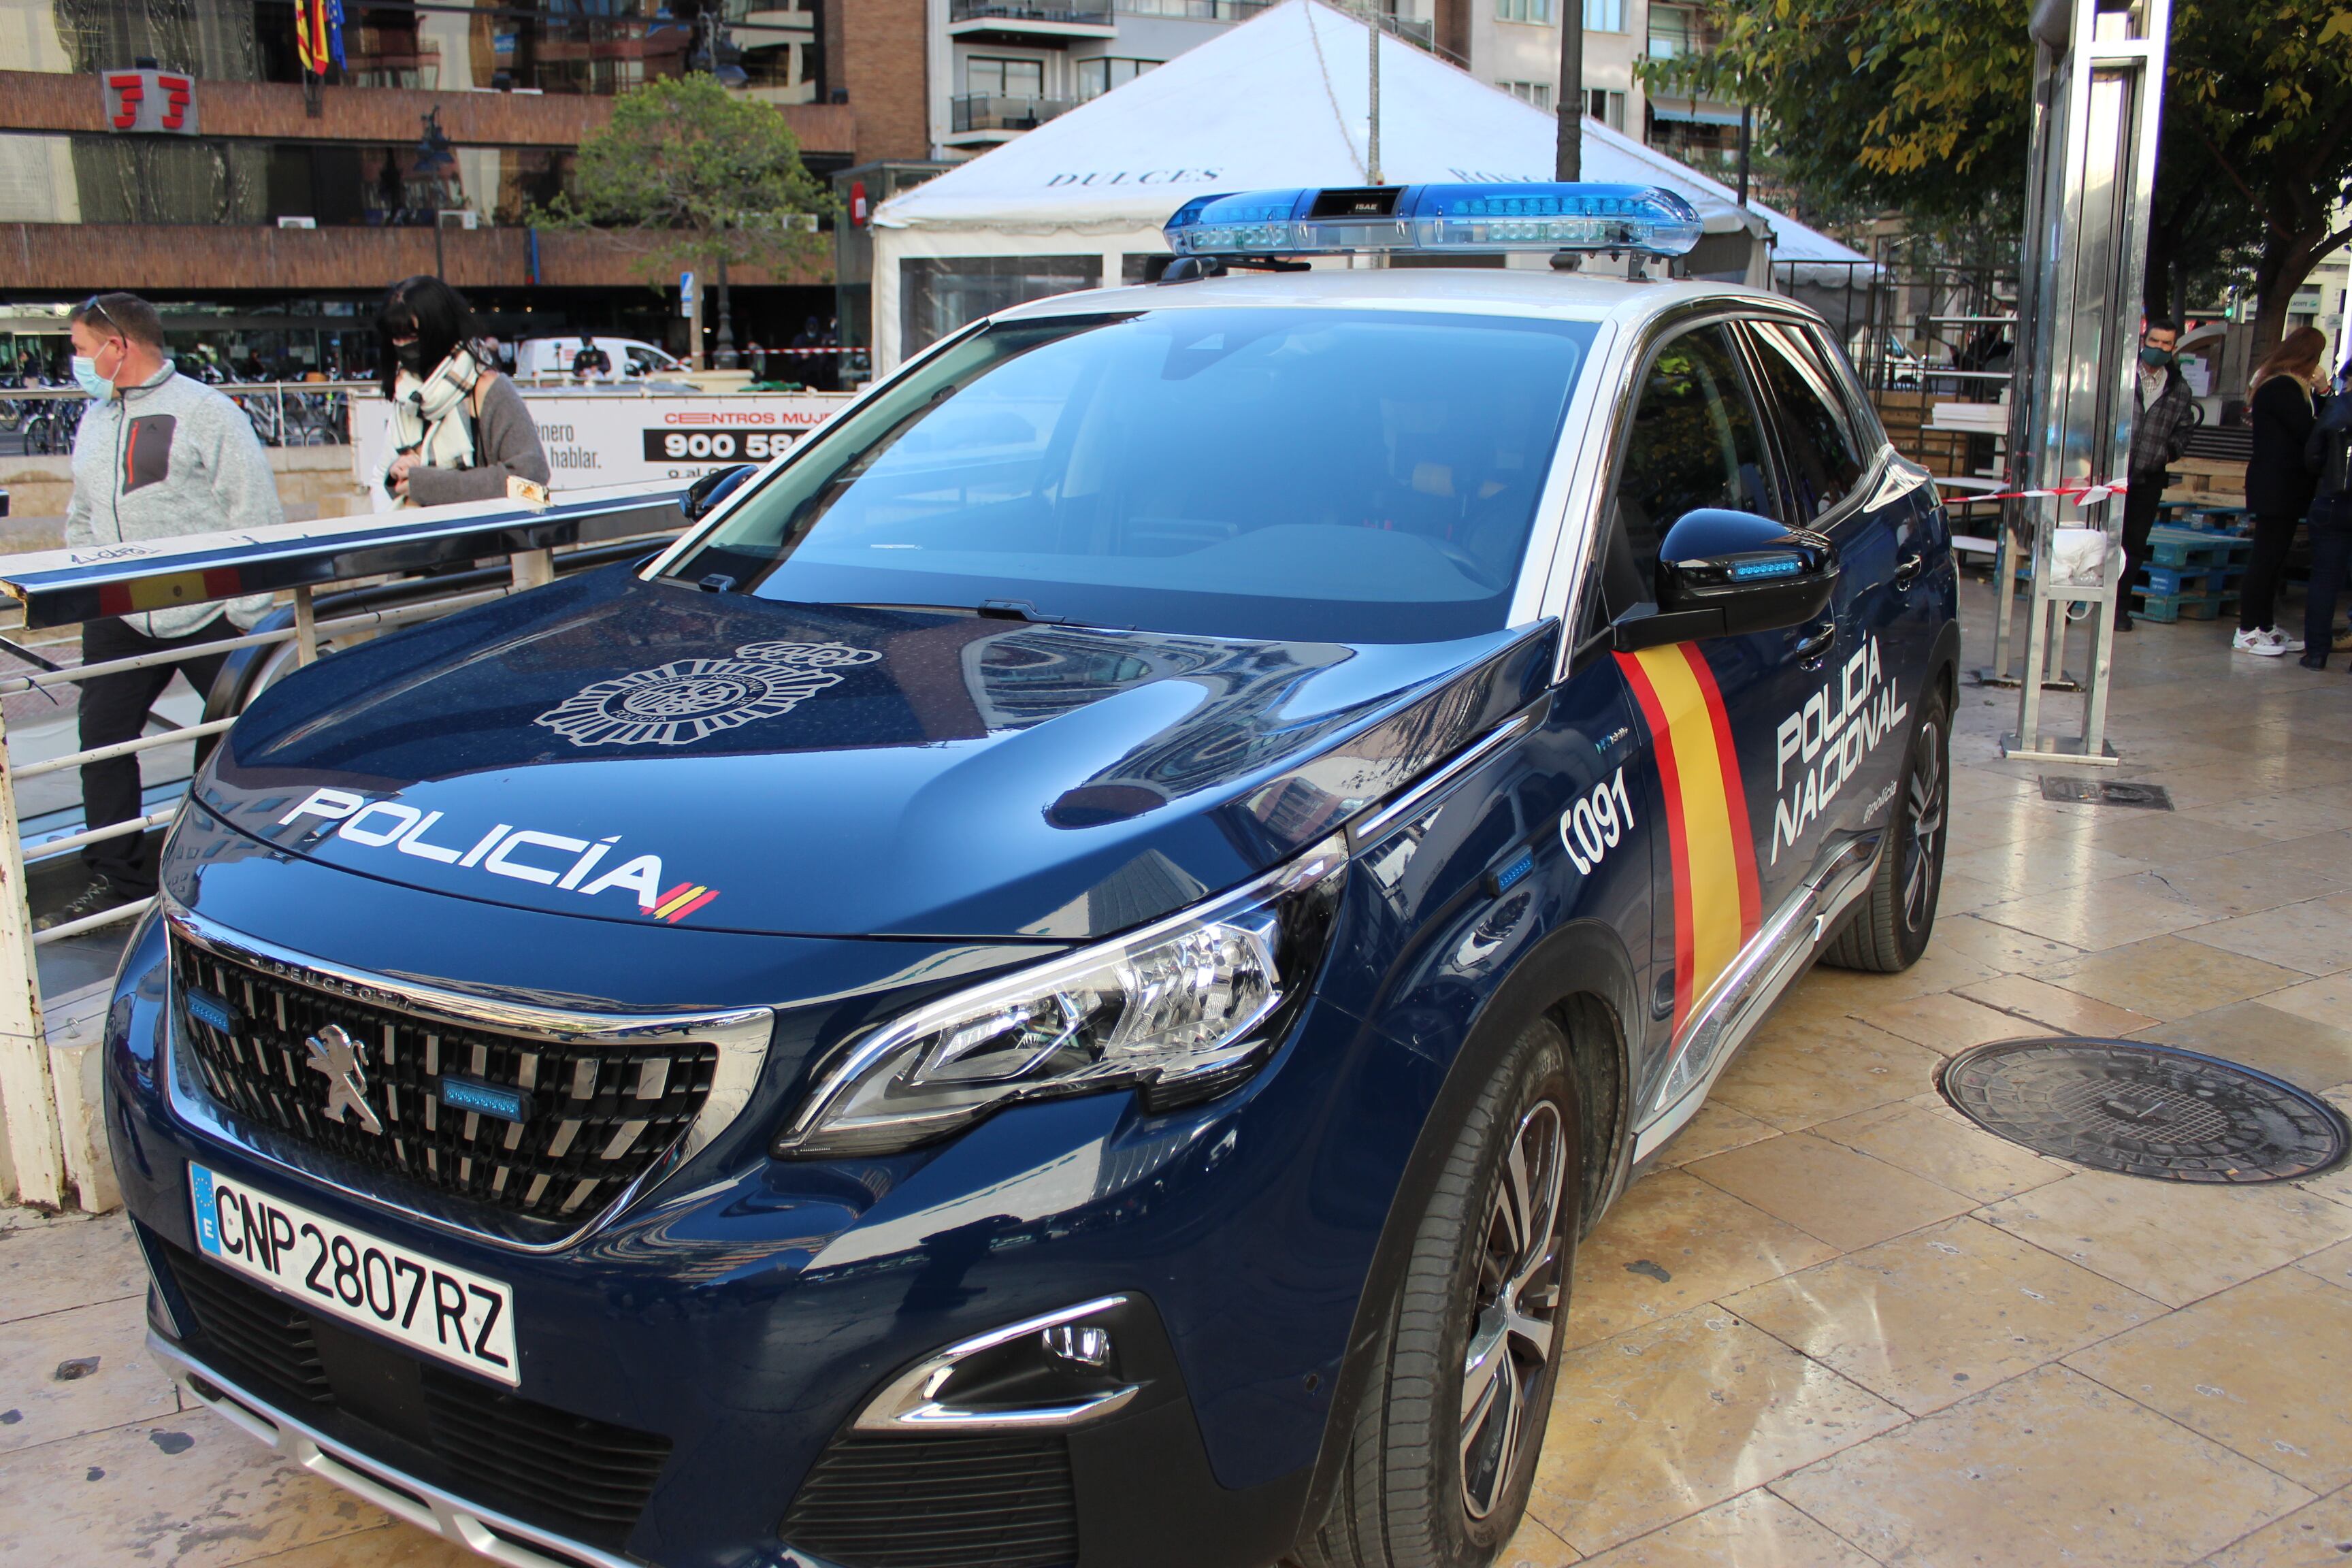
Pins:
x: 85, y: 376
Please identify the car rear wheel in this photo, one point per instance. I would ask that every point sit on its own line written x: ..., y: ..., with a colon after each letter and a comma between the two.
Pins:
x: 1444, y: 1446
x: 1890, y: 926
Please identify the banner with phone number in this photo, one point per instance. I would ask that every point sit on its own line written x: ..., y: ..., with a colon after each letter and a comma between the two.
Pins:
x: 610, y: 438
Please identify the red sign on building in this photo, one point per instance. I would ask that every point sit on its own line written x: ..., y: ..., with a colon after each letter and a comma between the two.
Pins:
x: 163, y: 102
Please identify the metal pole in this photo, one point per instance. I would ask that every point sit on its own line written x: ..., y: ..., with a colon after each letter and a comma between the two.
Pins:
x: 27, y: 1096
x: 1372, y: 137
x: 1567, y: 156
x: 306, y: 628
x: 1747, y: 138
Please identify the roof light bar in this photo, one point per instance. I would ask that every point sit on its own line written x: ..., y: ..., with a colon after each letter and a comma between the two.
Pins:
x: 1336, y: 220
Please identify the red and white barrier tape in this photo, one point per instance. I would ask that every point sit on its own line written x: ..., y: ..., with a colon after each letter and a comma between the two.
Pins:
x: 2087, y: 495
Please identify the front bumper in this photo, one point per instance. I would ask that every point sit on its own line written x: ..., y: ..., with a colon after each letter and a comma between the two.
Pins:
x: 745, y: 1320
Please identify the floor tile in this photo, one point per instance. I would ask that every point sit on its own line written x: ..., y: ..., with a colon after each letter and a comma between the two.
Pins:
x: 1939, y: 969
x: 1671, y: 1418
x: 2001, y: 948
x: 2263, y: 1368
x: 2291, y: 815
x: 1793, y: 1078
x: 1929, y: 1139
x: 1963, y: 896
x: 2048, y: 1468
x: 1929, y: 1319
x: 2242, y: 884
x: 73, y: 1263
x: 2320, y: 1535
x: 2175, y: 1241
x: 2040, y: 862
x: 1704, y: 1242
x: 1533, y: 1547
x: 2168, y: 977
x: 1946, y: 1023
x: 140, y: 1494
x: 1841, y: 1194
x: 2301, y: 1050
x: 1715, y: 1128
x: 2160, y: 839
x: 2326, y: 1000
x: 2314, y: 937
x: 1753, y: 1529
x: 2334, y: 1265
x: 405, y: 1546
x: 38, y: 1406
x: 2053, y: 1007
x: 2096, y: 915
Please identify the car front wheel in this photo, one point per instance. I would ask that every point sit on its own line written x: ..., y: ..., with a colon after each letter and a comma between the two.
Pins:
x: 1444, y: 1446
x: 1890, y: 925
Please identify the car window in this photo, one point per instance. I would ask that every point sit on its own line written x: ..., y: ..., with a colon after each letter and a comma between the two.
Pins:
x: 1695, y: 442
x: 1353, y: 476
x: 1823, y: 457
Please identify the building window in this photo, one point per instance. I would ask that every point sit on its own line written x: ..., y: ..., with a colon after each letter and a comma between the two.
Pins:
x: 985, y: 75
x: 1604, y: 16
x: 1536, y: 92
x: 1539, y: 11
x: 1609, y: 108
x: 1098, y: 76
x: 1674, y: 32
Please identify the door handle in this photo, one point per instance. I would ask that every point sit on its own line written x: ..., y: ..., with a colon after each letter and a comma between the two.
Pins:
x: 1907, y: 569
x: 1816, y: 643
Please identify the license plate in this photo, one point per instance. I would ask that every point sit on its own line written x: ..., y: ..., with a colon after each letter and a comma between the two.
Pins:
x: 462, y: 1318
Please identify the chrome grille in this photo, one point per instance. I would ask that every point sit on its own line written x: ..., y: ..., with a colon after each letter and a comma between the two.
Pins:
x: 593, y: 1116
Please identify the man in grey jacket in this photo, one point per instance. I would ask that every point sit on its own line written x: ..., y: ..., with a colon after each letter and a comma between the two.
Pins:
x: 158, y: 454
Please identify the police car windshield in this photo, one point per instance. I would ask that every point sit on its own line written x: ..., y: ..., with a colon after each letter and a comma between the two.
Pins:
x: 1364, y: 475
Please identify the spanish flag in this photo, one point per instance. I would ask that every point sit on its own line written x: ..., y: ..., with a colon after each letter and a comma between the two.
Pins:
x: 311, y: 38
x: 1717, y: 903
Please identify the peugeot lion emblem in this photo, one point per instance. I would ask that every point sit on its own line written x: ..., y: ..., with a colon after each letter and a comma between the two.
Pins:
x: 676, y: 704
x: 342, y: 1059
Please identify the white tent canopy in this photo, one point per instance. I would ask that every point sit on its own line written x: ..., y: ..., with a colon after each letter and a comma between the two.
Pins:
x: 1280, y: 100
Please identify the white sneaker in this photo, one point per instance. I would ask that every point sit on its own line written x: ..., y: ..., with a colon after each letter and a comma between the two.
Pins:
x: 2269, y: 645
x: 2284, y: 643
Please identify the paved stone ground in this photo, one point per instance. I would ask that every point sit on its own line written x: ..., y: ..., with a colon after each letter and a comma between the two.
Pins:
x: 1837, y: 1326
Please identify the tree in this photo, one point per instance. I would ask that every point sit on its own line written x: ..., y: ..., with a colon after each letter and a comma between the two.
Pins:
x: 1925, y: 106
x: 701, y: 179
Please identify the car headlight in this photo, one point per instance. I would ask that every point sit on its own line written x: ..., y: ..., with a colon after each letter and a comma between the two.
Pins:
x: 1184, y: 1009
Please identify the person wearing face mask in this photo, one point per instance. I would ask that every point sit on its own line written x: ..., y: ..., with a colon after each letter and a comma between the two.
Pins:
x: 2164, y: 414
x: 158, y: 454
x: 460, y: 431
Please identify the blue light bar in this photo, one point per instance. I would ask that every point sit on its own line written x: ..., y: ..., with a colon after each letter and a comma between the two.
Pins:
x: 1337, y: 220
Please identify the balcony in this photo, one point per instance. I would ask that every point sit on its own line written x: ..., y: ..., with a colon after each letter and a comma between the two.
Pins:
x: 1198, y: 10
x: 1052, y: 23
x: 986, y: 117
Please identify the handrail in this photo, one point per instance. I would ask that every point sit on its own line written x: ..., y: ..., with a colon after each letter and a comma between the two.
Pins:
x: 56, y: 1142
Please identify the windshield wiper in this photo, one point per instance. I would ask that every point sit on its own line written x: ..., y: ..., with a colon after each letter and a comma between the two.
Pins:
x: 989, y: 609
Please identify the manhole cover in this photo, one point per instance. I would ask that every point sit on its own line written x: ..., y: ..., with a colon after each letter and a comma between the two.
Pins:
x: 2146, y: 1110
x: 2106, y: 791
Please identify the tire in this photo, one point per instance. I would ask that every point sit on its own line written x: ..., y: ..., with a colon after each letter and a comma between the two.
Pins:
x: 1890, y: 926
x: 1407, y: 1496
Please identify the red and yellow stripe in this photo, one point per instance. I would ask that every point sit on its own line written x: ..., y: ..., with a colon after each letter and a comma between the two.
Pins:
x: 681, y: 901
x: 164, y: 591
x: 1717, y: 904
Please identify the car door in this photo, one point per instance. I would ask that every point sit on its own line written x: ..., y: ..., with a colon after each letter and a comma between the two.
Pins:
x: 1696, y: 438
x: 1834, y: 751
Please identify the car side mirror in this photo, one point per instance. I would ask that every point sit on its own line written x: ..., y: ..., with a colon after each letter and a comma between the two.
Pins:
x: 703, y: 495
x: 1728, y: 574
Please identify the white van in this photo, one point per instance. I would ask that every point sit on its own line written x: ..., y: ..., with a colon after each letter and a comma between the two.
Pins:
x: 551, y: 359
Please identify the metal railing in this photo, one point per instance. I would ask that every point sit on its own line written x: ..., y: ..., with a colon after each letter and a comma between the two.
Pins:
x: 1085, y: 12
x: 44, y: 1120
x: 990, y: 112
x: 284, y: 413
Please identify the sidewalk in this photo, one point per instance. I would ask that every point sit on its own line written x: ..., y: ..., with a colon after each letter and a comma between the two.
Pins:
x: 1836, y: 1326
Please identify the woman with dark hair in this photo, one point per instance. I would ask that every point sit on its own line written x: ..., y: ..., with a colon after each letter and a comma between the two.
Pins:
x: 459, y: 429
x: 2278, y: 486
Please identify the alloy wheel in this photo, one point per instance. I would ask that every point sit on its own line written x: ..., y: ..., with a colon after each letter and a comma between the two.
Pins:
x: 1515, y: 1298
x: 1924, y: 807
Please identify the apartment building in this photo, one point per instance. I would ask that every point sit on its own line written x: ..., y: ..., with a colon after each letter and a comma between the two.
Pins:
x: 999, y: 68
x: 272, y: 207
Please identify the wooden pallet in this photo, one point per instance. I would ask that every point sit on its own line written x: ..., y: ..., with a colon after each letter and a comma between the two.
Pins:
x: 2183, y: 607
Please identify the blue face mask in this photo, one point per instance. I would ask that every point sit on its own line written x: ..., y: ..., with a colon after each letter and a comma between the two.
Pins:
x: 85, y: 376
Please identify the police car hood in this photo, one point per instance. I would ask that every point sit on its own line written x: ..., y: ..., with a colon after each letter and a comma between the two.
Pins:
x: 611, y: 748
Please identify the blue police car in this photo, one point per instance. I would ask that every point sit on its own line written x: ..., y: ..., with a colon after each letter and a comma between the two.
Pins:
x: 1055, y: 981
